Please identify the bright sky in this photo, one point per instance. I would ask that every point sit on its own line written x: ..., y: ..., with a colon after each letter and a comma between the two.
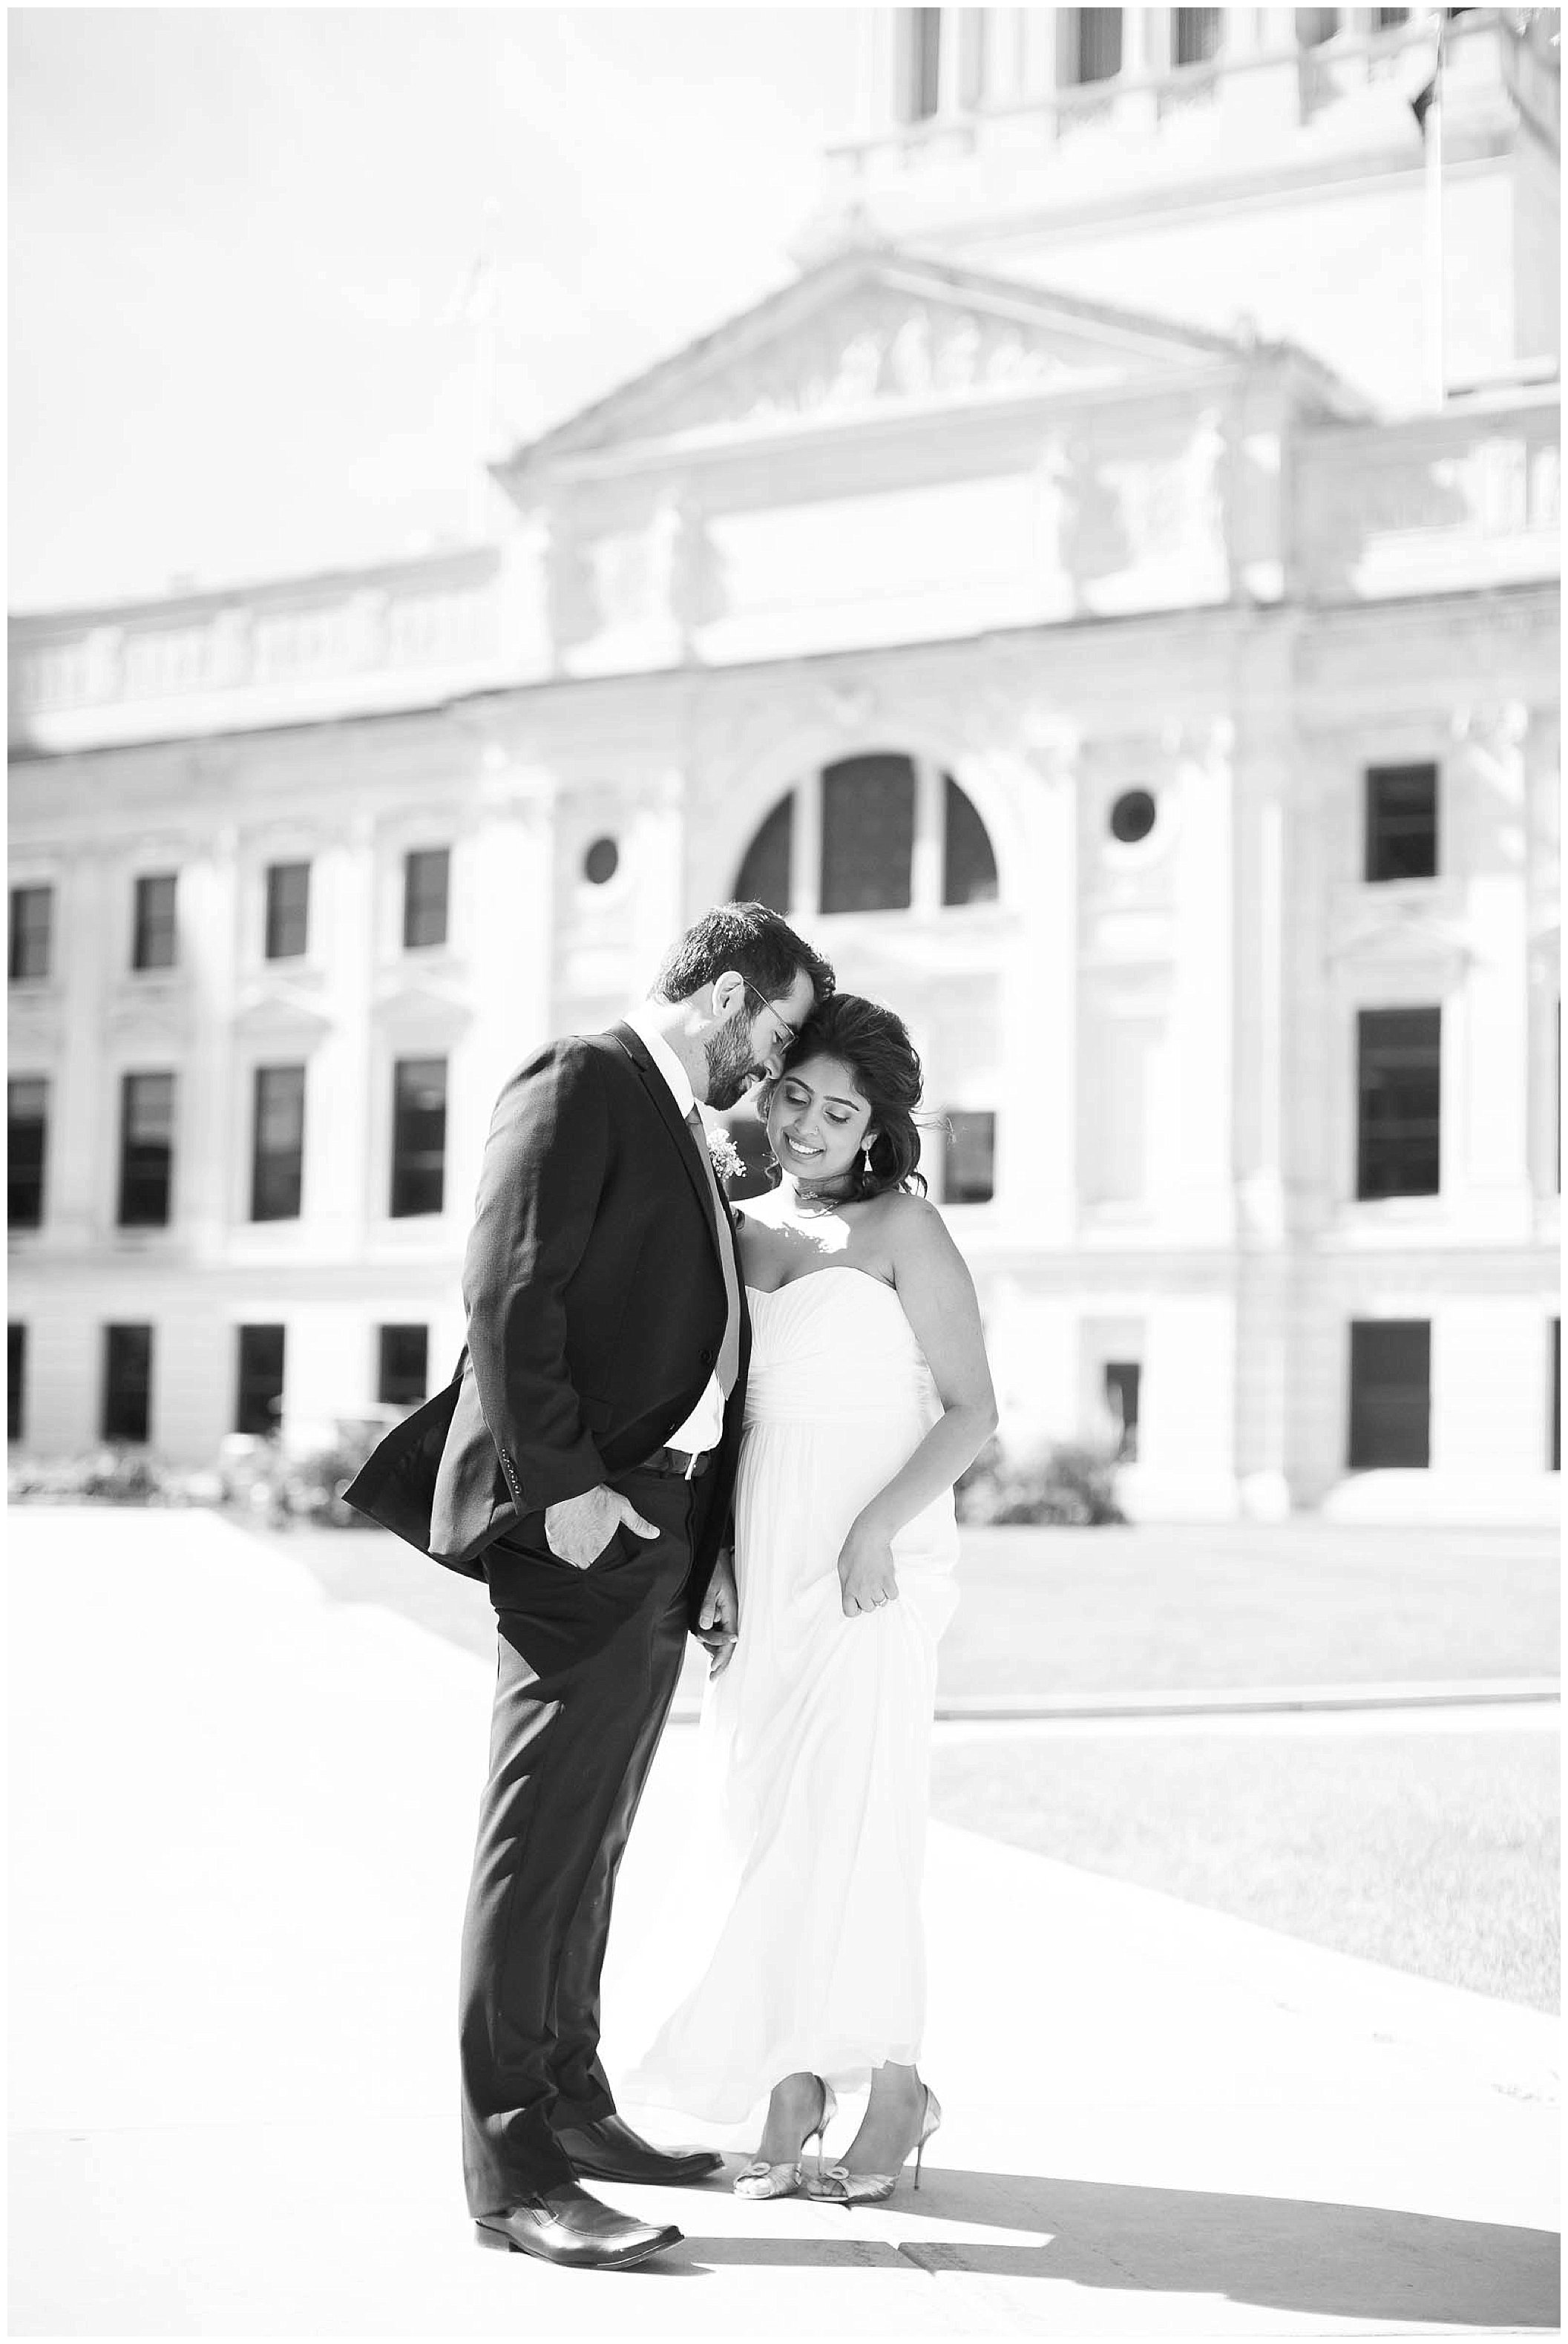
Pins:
x: 239, y: 239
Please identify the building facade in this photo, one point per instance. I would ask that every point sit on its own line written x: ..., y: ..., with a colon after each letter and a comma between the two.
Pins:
x: 1098, y: 600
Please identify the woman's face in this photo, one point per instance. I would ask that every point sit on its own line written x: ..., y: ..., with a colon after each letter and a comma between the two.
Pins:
x: 817, y: 1120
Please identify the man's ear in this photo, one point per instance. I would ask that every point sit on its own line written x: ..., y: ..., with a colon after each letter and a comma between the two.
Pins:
x: 729, y: 992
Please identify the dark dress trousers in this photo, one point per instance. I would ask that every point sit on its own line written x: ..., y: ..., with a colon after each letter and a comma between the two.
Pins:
x: 596, y: 1308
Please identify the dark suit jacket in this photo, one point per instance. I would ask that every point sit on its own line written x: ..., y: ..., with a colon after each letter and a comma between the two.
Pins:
x: 595, y: 1299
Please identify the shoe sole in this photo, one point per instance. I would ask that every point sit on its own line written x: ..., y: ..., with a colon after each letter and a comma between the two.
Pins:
x: 648, y: 2180
x: 502, y: 2242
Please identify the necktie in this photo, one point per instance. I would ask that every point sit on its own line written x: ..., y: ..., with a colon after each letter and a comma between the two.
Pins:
x: 727, y: 1365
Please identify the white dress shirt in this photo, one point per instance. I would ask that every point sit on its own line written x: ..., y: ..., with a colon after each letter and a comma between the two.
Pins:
x: 704, y: 1427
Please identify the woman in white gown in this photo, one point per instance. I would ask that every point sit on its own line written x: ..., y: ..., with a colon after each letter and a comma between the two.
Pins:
x: 868, y: 1394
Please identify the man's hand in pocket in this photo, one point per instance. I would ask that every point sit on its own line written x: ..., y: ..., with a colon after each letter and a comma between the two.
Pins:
x: 579, y: 1529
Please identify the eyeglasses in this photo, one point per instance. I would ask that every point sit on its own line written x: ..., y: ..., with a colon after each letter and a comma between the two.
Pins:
x: 786, y: 1032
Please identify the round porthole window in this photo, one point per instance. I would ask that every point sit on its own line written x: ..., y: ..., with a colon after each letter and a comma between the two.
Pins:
x: 601, y: 862
x: 1133, y: 815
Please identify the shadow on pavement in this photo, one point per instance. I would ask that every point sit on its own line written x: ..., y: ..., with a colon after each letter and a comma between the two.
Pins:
x: 1289, y: 2255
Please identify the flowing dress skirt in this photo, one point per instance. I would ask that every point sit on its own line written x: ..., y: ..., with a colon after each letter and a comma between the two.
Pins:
x: 803, y: 1897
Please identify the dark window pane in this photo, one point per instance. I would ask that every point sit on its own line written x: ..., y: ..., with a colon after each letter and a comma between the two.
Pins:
x: 258, y: 1395
x: 127, y: 1383
x: 1195, y: 35
x: 15, y: 1380
x: 1097, y: 44
x: 1402, y: 822
x: 968, y: 865
x: 969, y: 1165
x: 419, y: 1136
x: 32, y: 921
x: 27, y: 1123
x: 154, y: 943
x: 765, y: 873
x: 425, y: 877
x: 402, y: 1365
x: 278, y: 1146
x: 920, y: 39
x: 1388, y: 20
x: 1122, y: 1378
x: 146, y: 1150
x: 867, y: 834
x: 287, y: 909
x: 1390, y: 1392
x: 1399, y: 1083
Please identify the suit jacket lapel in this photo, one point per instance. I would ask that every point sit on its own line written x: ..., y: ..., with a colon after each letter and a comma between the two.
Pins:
x: 676, y: 1124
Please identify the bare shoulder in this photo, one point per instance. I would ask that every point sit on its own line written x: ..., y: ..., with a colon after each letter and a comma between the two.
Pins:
x: 912, y: 1229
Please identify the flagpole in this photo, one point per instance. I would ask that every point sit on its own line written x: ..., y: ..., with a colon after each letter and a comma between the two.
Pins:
x: 1436, y: 358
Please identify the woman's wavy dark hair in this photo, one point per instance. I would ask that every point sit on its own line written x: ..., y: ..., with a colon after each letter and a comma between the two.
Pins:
x: 874, y: 1045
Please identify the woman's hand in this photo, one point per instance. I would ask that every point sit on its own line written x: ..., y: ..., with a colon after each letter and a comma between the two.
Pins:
x: 868, y: 1573
x: 719, y: 1620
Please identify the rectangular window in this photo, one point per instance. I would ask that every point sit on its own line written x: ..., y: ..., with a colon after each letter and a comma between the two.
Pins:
x: 287, y: 909
x: 867, y: 834
x: 425, y: 874
x: 147, y: 1151
x: 1402, y: 822
x: 969, y: 1163
x: 1122, y: 1377
x: 278, y: 1144
x: 1554, y: 1431
x: 1094, y: 50
x: 154, y: 940
x: 920, y: 60
x: 15, y: 1380
x: 419, y: 1136
x: 259, y: 1384
x: 127, y: 1383
x: 31, y: 927
x: 402, y: 1355
x: 27, y: 1125
x: 1399, y: 1089
x: 1195, y: 35
x: 1390, y: 1392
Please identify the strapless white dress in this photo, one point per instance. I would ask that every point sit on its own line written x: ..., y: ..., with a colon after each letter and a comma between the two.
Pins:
x: 816, y: 1739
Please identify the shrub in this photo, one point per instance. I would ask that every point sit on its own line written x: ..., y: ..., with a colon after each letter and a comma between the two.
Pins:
x: 110, y: 1475
x: 1070, y: 1483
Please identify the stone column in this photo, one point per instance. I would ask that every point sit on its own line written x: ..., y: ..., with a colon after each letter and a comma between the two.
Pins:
x: 1485, y: 1073
x: 1036, y: 1134
x: 1262, y: 1399
x: 1192, y: 1166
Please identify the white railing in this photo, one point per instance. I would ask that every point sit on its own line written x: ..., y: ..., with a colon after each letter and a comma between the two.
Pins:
x: 1149, y: 97
x: 444, y: 615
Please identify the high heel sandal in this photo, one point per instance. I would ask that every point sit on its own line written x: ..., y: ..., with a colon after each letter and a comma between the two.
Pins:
x: 761, y: 2179
x: 839, y: 2186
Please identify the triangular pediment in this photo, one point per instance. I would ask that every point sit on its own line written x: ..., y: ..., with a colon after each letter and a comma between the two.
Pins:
x: 867, y: 333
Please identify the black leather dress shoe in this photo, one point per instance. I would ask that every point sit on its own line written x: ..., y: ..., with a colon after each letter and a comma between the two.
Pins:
x: 566, y: 2226
x: 610, y: 2150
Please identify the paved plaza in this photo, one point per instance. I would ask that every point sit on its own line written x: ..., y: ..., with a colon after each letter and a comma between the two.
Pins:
x: 243, y: 1816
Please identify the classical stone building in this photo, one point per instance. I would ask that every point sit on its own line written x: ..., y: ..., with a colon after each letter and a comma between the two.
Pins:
x: 1108, y: 599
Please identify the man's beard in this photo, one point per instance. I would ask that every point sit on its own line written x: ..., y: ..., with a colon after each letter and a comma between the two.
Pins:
x: 732, y: 1070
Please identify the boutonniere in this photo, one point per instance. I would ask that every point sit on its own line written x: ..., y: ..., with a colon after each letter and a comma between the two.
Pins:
x: 727, y: 1160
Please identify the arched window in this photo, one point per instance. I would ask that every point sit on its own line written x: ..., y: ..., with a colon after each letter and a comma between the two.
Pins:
x: 867, y: 834
x: 893, y: 833
x: 765, y: 873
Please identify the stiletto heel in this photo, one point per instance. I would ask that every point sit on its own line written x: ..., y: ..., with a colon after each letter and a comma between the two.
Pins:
x: 843, y: 2187
x: 761, y: 2179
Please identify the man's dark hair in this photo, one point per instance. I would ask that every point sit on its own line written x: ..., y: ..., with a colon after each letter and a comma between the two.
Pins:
x: 750, y: 939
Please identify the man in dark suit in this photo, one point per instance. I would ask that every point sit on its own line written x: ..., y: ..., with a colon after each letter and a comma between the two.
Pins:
x: 581, y: 1462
